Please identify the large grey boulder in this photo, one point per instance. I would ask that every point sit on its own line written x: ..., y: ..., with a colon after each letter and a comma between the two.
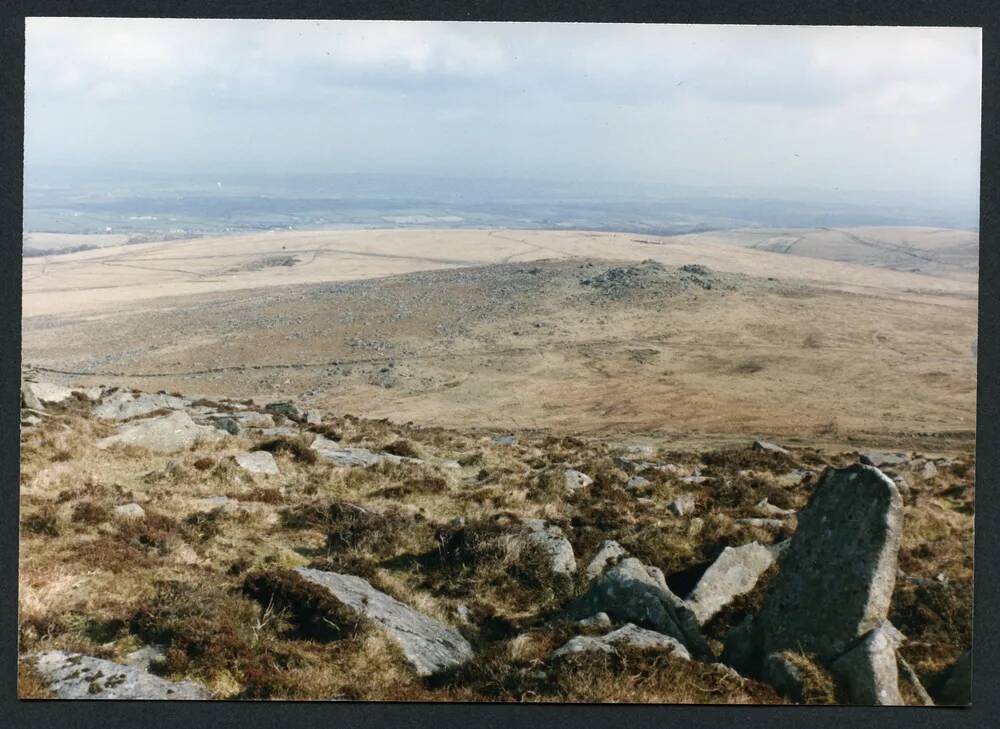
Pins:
x: 164, y: 434
x: 551, y: 542
x: 258, y: 462
x: 428, y: 644
x: 627, y: 635
x: 957, y: 689
x: 869, y: 669
x: 634, y: 592
x: 608, y: 552
x: 734, y: 573
x: 123, y: 405
x: 75, y: 676
x: 839, y: 571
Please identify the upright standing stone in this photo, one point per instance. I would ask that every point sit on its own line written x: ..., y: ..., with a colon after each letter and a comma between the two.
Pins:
x: 839, y: 572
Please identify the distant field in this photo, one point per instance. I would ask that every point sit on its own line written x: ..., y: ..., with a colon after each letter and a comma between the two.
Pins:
x: 65, y: 241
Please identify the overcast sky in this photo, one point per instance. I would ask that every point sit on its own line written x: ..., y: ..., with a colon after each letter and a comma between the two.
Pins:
x: 753, y: 106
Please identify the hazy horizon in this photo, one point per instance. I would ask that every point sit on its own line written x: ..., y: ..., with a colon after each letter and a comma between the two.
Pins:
x: 824, y: 109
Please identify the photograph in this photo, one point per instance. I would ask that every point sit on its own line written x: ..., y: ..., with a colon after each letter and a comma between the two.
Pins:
x: 498, y: 362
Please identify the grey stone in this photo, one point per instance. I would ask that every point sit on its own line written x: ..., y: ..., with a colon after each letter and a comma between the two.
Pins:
x: 549, y: 539
x: 258, y: 462
x: 28, y: 398
x: 314, y: 417
x: 869, y: 670
x: 609, y: 551
x: 682, y: 505
x: 576, y: 479
x: 504, y: 439
x: 281, y: 431
x: 229, y: 425
x: 30, y: 421
x: 49, y: 393
x: 75, y: 676
x: 353, y: 455
x: 695, y: 480
x: 164, y: 434
x: 928, y: 471
x: 764, y: 523
x: 428, y: 644
x: 123, y: 405
x: 145, y: 656
x: 883, y: 460
x: 791, y: 478
x: 627, y: 635
x: 635, y: 592
x: 641, y: 449
x: 598, y: 620
x: 740, y: 647
x: 838, y: 574
x: 767, y: 507
x: 129, y: 512
x: 766, y: 447
x: 734, y: 573
x: 957, y: 689
x: 636, y: 482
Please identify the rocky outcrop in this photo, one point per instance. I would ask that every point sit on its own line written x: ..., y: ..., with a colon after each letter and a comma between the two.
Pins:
x: 164, y: 434
x: 75, y: 676
x: 734, y: 573
x: 49, y: 393
x: 331, y: 450
x: 634, y: 592
x: 123, y: 405
x: 627, y: 635
x: 428, y: 644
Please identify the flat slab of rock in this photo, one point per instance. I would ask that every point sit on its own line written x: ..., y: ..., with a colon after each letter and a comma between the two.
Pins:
x: 839, y: 571
x: 164, y: 434
x: 123, y: 405
x: 734, y: 573
x: 258, y: 462
x: 331, y: 450
x: 884, y: 460
x: 765, y: 447
x: 428, y: 644
x: 76, y: 676
x: 627, y: 635
x: 634, y: 592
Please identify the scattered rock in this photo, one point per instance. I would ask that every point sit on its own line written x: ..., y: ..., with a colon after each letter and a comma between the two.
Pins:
x: 734, y: 573
x: 766, y: 447
x: 429, y: 645
x: 695, y: 480
x: 627, y: 635
x: 314, y: 417
x: 598, y: 620
x: 279, y: 431
x: 123, y: 405
x: 131, y: 511
x: 75, y: 676
x: 258, y: 462
x: 928, y: 471
x: 869, y: 669
x: 553, y: 544
x: 682, y: 505
x: 608, y: 552
x: 957, y: 689
x: 636, y: 482
x: 505, y: 440
x: 577, y: 480
x: 349, y: 455
x: 164, y: 434
x: 146, y: 656
x: 768, y: 508
x: 635, y: 592
x: 792, y: 478
x: 764, y: 523
x: 28, y: 398
x: 884, y: 460
x: 642, y: 449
